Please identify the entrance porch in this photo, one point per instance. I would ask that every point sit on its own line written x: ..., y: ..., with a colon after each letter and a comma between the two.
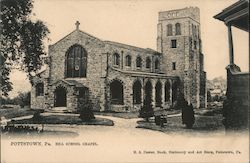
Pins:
x: 67, y: 96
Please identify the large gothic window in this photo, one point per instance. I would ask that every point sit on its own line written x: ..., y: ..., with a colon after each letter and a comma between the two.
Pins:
x: 116, y: 92
x: 138, y: 62
x: 39, y: 89
x: 177, y: 29
x: 76, y: 62
x: 148, y: 62
x: 169, y: 30
x: 128, y: 60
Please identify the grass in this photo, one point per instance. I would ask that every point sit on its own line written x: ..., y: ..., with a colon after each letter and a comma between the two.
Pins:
x: 208, y: 112
x: 203, y: 124
x: 15, y: 112
x: 65, y: 119
x: 130, y: 115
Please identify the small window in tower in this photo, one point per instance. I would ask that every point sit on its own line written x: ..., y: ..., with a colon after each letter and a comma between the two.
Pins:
x: 169, y: 30
x: 174, y: 65
x: 178, y: 29
x: 173, y: 44
x: 195, y: 44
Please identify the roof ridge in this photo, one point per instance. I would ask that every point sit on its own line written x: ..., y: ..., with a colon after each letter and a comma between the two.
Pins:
x: 123, y: 44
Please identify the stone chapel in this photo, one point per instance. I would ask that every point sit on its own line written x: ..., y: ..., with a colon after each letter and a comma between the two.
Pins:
x: 118, y: 77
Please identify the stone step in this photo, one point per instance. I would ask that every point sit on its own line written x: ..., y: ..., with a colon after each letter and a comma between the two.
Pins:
x: 58, y: 110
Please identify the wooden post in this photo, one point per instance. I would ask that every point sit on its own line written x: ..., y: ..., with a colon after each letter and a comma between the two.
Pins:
x: 231, y: 48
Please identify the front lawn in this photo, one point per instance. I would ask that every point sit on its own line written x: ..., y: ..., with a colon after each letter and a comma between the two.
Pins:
x: 130, y: 115
x: 9, y: 113
x: 203, y: 125
x: 126, y: 115
x: 65, y: 119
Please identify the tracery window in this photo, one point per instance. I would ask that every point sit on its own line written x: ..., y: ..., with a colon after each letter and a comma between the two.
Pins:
x: 76, y: 62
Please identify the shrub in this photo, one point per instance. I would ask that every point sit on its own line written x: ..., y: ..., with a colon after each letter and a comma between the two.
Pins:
x: 180, y: 103
x: 147, y: 110
x: 23, y: 99
x: 37, y: 116
x: 236, y: 114
x: 188, y: 115
x: 158, y: 120
x: 86, y: 112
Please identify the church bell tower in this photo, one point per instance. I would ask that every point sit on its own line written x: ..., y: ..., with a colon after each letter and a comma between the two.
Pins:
x: 180, y: 43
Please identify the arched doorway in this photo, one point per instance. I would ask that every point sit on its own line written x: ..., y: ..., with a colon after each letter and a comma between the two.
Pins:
x: 60, y: 97
x: 148, y: 92
x: 158, y: 92
x: 116, y: 92
x: 137, y: 92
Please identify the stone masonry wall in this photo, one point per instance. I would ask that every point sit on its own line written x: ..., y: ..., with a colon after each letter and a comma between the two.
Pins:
x: 94, y: 48
x: 38, y: 102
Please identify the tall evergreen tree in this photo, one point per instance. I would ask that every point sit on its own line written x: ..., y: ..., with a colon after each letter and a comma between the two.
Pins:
x: 21, y: 40
x: 147, y: 110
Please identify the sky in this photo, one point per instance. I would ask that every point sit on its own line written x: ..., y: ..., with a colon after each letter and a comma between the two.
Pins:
x: 134, y: 22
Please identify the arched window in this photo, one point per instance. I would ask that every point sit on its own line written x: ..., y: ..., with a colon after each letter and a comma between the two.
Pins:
x: 76, y: 62
x: 157, y: 64
x: 148, y: 62
x: 137, y: 92
x: 138, y: 62
x: 116, y: 92
x: 169, y: 30
x: 39, y: 89
x: 128, y: 60
x: 116, y: 59
x: 177, y: 29
x: 158, y: 92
